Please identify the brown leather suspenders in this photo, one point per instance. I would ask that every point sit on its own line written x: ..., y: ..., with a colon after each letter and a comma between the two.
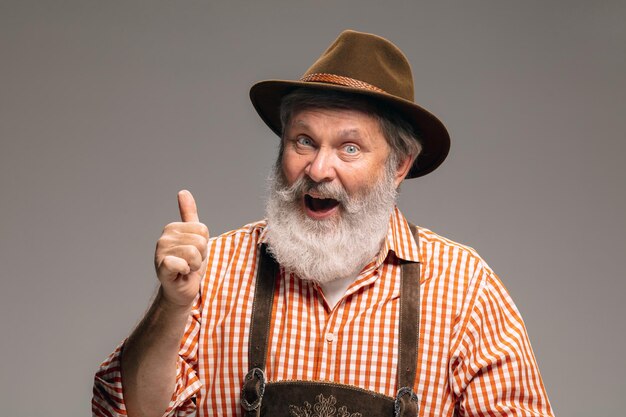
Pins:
x: 253, y: 388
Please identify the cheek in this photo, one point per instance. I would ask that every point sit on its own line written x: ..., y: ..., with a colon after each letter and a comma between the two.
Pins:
x: 356, y: 186
x: 362, y: 178
x: 293, y: 167
x: 353, y: 180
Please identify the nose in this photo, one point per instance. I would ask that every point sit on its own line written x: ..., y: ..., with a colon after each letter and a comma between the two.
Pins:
x: 321, y: 168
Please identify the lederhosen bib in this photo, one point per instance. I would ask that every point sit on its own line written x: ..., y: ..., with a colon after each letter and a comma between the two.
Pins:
x: 325, y: 398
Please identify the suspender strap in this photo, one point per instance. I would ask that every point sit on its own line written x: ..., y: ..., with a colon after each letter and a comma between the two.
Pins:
x: 262, y: 310
x: 409, y: 321
x: 407, y: 403
x: 254, y: 382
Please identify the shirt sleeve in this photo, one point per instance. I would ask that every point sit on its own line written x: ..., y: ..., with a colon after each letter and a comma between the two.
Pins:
x: 494, y: 371
x: 108, y: 397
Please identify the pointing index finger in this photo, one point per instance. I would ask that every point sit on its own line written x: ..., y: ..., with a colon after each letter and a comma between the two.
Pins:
x: 187, y: 207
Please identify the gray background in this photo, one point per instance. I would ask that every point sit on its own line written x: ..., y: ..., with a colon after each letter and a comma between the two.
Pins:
x: 108, y: 108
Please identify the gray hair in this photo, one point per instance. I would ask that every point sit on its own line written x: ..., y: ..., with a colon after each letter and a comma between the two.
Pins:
x: 400, y: 135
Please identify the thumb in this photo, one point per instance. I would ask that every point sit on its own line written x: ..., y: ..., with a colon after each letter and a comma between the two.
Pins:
x: 187, y: 207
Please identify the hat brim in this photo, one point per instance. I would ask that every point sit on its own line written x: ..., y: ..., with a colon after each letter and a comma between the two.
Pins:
x: 266, y: 97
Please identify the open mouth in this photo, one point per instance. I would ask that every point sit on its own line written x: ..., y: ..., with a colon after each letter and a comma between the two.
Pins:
x: 320, y: 205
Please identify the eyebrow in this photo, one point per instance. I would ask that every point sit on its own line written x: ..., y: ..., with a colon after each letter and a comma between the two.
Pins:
x: 344, y: 133
x: 350, y: 132
x: 299, y: 123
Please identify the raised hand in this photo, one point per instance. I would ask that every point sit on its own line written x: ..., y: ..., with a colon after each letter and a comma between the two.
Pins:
x: 180, y: 257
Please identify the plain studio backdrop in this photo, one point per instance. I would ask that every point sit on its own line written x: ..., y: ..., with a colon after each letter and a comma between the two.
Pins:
x: 108, y: 108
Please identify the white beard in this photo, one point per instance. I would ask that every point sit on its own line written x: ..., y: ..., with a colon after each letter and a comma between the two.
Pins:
x: 326, y: 250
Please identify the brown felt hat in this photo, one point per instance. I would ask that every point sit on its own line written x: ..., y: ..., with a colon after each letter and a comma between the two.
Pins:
x: 367, y: 65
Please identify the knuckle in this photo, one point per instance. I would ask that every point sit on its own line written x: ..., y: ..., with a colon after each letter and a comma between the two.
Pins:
x: 194, y: 259
x: 187, y: 252
x: 164, y: 242
x: 189, y: 239
x: 204, y: 247
x: 164, y: 268
x: 171, y: 227
x: 199, y: 241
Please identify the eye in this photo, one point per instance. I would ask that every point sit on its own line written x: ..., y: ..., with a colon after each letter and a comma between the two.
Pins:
x: 351, y: 149
x: 304, y: 141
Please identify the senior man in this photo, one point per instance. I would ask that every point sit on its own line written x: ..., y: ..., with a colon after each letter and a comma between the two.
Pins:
x: 335, y: 305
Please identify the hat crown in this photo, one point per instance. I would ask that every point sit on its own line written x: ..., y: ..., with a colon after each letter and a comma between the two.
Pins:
x: 367, y: 58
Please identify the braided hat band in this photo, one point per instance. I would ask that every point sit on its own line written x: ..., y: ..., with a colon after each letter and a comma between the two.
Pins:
x: 339, y: 80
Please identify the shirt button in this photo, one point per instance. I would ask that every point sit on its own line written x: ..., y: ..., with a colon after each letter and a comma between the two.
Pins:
x: 330, y: 337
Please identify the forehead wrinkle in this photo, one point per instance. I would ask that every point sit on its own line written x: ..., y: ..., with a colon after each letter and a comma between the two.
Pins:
x: 351, y: 132
x: 300, y: 123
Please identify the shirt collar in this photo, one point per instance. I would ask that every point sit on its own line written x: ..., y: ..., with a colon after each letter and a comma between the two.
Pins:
x: 263, y: 235
x: 399, y: 239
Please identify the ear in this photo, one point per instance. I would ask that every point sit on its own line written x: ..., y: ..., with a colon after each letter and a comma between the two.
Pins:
x: 403, y: 169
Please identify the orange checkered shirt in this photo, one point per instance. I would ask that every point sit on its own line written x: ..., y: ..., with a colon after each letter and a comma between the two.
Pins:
x: 474, y: 356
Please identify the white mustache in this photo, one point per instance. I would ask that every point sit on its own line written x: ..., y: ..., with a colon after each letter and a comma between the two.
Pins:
x: 305, y: 185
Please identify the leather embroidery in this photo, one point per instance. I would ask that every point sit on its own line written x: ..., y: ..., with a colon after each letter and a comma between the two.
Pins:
x: 324, y: 407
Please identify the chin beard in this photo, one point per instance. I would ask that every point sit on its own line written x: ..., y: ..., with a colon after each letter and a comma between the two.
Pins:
x: 330, y: 249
